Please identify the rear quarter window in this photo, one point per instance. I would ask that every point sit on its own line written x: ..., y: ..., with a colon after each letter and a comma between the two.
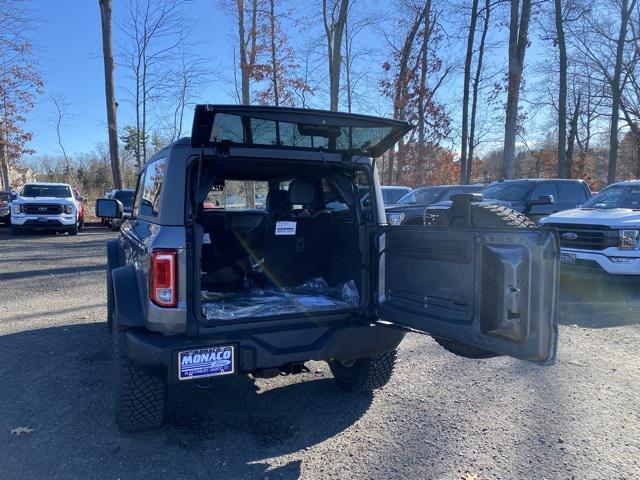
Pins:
x: 571, y: 194
x: 152, y: 189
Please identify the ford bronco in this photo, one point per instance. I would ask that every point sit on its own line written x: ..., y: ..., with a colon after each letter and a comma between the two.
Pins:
x: 248, y: 251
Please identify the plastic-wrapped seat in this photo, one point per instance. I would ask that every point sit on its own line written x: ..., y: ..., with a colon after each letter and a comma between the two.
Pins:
x: 297, y: 242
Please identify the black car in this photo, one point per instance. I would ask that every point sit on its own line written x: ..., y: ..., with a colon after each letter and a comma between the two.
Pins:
x: 410, y: 209
x: 125, y: 197
x: 536, y: 198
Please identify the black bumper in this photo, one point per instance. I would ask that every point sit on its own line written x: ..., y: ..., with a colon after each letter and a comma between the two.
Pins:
x: 50, y: 224
x: 268, y: 349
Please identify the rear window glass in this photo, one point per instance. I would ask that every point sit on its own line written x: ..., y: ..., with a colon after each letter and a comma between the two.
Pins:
x: 236, y: 194
x: 255, y: 131
x: 154, y: 176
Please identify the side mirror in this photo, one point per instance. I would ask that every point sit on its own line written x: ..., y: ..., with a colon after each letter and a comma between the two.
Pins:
x: 542, y: 200
x: 108, y: 208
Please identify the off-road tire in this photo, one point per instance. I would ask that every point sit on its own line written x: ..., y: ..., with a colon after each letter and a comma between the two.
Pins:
x: 140, y: 396
x: 73, y: 230
x: 364, y: 374
x: 482, y: 215
x: 16, y: 230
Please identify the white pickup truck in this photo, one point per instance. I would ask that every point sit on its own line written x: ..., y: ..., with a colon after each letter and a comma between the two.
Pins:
x: 45, y: 206
x: 602, y: 235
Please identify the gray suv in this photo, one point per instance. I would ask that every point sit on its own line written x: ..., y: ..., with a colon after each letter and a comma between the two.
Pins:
x: 233, y: 262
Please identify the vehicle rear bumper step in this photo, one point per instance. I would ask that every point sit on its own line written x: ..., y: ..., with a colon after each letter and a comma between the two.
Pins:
x: 264, y: 350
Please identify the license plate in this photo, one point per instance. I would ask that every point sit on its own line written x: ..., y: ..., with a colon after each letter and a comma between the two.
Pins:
x: 206, y: 362
x: 568, y: 258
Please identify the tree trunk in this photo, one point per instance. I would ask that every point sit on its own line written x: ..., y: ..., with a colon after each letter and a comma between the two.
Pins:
x: 107, y: 54
x: 518, y: 31
x: 476, y: 87
x: 422, y: 94
x: 466, y: 93
x: 334, y: 32
x: 274, y: 62
x: 573, y: 133
x: 400, y: 94
x: 5, y: 181
x: 563, y: 171
x: 616, y: 92
x: 247, y: 62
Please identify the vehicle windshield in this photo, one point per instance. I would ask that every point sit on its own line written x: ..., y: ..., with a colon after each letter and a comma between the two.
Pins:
x: 421, y: 195
x: 57, y: 191
x: 507, y: 191
x: 619, y: 196
x: 126, y: 197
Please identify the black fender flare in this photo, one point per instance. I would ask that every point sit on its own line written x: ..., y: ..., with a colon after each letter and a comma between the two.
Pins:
x: 127, y: 298
x: 114, y: 258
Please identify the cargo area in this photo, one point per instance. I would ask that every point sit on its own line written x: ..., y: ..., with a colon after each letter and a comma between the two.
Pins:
x: 278, y: 239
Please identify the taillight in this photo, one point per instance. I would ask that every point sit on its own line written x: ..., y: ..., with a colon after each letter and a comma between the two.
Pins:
x: 163, y: 278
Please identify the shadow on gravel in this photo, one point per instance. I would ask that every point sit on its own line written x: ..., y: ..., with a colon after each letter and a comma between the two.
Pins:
x: 57, y: 382
x: 598, y: 304
x: 51, y: 271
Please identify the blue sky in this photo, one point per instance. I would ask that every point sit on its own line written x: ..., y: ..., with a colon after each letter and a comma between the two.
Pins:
x: 68, y: 43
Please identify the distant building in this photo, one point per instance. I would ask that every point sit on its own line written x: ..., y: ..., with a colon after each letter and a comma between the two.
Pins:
x: 20, y: 175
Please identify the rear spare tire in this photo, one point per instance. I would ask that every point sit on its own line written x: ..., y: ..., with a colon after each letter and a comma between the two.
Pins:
x: 482, y: 215
x: 364, y: 374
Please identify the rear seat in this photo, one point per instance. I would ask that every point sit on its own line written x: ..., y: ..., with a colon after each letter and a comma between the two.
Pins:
x: 297, y: 242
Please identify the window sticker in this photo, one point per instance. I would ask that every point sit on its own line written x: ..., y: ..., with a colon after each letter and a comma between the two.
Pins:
x: 286, y: 228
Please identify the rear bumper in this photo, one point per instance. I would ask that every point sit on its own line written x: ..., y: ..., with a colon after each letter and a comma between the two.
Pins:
x: 265, y: 349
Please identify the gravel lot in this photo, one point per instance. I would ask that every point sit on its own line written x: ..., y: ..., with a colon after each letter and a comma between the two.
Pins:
x: 440, y: 417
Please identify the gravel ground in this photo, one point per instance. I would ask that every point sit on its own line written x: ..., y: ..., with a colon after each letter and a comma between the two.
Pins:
x: 440, y: 417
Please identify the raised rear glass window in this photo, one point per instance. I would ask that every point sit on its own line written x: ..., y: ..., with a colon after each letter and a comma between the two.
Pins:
x: 242, y: 129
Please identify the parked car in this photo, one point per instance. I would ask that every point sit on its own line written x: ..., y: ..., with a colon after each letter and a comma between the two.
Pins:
x: 45, y: 206
x: 125, y: 197
x: 409, y: 210
x: 197, y: 295
x: 390, y: 194
x: 535, y: 198
x: 5, y: 207
x: 80, y: 201
x: 603, y: 235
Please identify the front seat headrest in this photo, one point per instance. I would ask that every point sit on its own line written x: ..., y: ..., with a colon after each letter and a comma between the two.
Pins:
x: 278, y: 201
x: 304, y: 192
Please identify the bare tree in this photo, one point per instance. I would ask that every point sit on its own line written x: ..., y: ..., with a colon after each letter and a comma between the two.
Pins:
x: 466, y: 91
x: 616, y: 88
x: 110, y: 96
x: 334, y: 18
x: 518, y: 42
x: 601, y: 39
x: 153, y: 30
x: 61, y: 106
x: 563, y: 172
x: 473, y: 140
